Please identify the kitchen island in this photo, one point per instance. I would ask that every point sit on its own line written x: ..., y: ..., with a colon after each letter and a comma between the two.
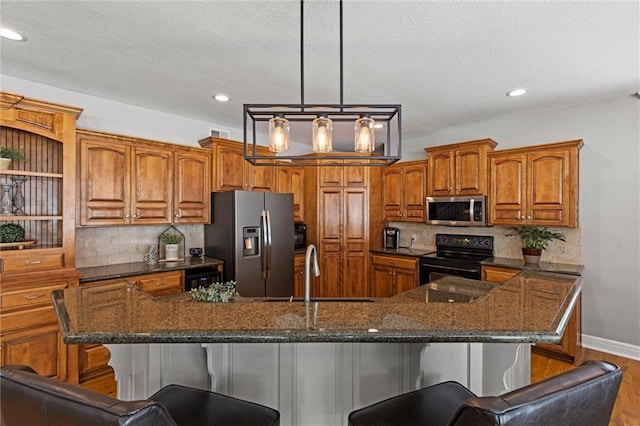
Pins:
x: 317, y: 361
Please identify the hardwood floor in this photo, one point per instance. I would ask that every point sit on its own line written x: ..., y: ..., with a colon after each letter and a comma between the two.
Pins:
x: 626, y: 412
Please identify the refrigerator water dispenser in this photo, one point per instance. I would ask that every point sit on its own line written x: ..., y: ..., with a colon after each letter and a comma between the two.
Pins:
x: 251, y: 238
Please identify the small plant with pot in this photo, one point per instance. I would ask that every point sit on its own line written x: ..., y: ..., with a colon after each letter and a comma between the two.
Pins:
x: 9, y: 154
x: 534, y: 240
x: 171, y: 238
x: 171, y: 241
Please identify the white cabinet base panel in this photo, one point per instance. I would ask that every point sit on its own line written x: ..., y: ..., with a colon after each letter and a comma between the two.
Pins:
x: 318, y: 383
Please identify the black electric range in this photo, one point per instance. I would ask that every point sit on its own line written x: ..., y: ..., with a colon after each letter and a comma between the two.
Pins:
x: 458, y: 255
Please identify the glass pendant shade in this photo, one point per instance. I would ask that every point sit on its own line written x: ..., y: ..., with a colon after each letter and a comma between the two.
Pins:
x: 278, y: 134
x: 365, y: 137
x: 322, y: 129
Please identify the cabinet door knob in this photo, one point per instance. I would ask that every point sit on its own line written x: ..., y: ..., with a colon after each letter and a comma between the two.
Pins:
x: 177, y: 215
x: 528, y: 217
x: 126, y: 216
x: 134, y: 216
x: 450, y: 188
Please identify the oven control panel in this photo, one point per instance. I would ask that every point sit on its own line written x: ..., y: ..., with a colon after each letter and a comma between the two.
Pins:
x: 470, y: 241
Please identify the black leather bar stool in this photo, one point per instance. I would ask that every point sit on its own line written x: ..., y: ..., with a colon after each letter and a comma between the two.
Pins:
x: 582, y: 396
x: 30, y: 399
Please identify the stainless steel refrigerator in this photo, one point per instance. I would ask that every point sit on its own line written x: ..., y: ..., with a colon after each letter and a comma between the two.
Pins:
x: 252, y: 232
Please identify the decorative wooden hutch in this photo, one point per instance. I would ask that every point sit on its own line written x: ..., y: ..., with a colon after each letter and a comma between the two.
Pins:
x: 45, y: 208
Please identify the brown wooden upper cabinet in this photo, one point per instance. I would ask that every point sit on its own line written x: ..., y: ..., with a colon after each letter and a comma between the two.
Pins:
x: 535, y: 185
x: 343, y: 175
x: 126, y: 180
x: 459, y: 169
x: 290, y: 179
x: 404, y: 191
x: 191, y: 186
x: 232, y: 172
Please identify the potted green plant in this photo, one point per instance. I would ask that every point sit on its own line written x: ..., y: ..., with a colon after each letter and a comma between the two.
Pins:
x: 172, y: 242
x: 9, y: 154
x: 11, y: 233
x: 534, y: 240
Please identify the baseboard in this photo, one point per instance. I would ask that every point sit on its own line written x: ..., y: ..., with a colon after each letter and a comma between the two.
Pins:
x: 611, y: 346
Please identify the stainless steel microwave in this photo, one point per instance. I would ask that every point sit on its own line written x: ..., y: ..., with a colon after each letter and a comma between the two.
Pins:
x: 457, y: 211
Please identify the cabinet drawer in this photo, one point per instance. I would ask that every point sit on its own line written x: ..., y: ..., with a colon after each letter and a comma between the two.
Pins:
x: 394, y: 262
x: 29, y: 297
x: 27, y: 318
x: 93, y: 357
x: 497, y: 274
x: 160, y: 282
x: 30, y: 262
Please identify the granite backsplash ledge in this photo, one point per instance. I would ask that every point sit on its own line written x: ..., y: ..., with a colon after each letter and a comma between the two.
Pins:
x: 126, y: 244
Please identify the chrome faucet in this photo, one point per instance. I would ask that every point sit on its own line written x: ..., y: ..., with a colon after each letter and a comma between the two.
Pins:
x: 311, y: 251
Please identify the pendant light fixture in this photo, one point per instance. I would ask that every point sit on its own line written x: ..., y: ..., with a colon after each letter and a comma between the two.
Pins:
x: 365, y: 135
x: 278, y: 134
x: 332, y: 127
x: 322, y: 133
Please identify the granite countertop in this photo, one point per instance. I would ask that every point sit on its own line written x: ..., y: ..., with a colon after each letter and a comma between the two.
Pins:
x: 123, y: 270
x: 411, y: 252
x: 562, y: 268
x: 530, y: 307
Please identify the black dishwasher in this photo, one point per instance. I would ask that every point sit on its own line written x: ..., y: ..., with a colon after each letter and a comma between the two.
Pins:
x: 200, y: 277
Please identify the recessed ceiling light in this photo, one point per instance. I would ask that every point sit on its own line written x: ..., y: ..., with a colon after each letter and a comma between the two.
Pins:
x: 221, y: 98
x: 517, y: 92
x: 11, y: 35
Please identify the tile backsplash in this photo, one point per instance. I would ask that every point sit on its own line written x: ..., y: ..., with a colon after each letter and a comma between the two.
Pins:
x: 125, y: 244
x: 504, y: 246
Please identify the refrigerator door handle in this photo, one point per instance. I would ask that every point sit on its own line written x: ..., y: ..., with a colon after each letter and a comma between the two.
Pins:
x: 263, y: 234
x: 269, y: 245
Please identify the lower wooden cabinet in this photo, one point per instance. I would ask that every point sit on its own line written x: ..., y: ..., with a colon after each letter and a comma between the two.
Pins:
x: 93, y: 359
x: 298, y: 275
x: 29, y: 331
x: 570, y: 347
x: 95, y: 373
x: 41, y: 348
x: 391, y: 275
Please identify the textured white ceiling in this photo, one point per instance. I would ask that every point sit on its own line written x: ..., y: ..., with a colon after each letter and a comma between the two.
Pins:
x: 444, y: 62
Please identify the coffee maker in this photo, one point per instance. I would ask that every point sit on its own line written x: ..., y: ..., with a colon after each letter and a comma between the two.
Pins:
x: 391, y: 237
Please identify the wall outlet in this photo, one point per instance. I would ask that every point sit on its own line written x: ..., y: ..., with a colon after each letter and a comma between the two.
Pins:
x: 413, y: 237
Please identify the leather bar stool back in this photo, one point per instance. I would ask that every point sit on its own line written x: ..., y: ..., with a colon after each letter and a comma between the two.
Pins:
x: 30, y: 399
x: 582, y: 396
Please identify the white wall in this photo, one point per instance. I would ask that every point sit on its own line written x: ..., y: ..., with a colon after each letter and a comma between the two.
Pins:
x: 609, y: 199
x: 609, y: 186
x: 116, y: 117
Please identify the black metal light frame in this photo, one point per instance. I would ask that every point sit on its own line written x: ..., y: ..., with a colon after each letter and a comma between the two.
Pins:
x: 256, y: 115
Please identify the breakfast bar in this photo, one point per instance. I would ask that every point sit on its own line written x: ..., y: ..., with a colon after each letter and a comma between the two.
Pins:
x: 317, y: 361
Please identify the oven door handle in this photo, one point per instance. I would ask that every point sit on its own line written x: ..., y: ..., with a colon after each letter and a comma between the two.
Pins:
x: 451, y: 268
